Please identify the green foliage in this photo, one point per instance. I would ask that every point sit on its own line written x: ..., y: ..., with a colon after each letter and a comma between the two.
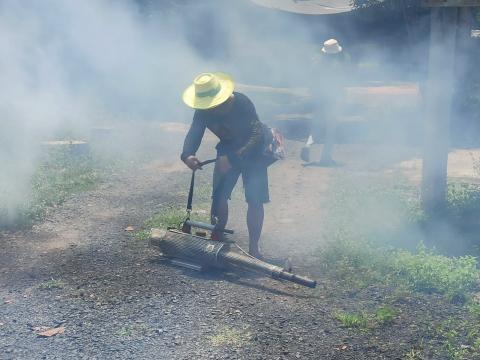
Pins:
x: 429, y: 272
x: 170, y: 217
x: 463, y: 198
x: 385, y: 315
x: 352, y: 320
x: 125, y: 331
x: 228, y: 336
x: 51, y: 284
x: 424, y: 271
x: 367, y: 225
x: 414, y: 354
x: 56, y: 177
x: 460, y: 338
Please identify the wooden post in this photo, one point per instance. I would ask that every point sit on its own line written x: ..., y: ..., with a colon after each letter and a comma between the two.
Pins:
x: 438, y: 108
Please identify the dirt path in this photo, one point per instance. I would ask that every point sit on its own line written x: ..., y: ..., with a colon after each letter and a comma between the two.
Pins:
x: 117, y: 300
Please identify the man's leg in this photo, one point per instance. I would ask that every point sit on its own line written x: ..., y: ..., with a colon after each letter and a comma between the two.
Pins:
x: 255, y: 181
x: 223, y: 184
x: 327, y: 151
x: 219, y: 215
x: 255, y: 214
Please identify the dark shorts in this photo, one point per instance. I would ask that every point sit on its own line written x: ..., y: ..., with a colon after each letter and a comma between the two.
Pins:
x: 255, y: 183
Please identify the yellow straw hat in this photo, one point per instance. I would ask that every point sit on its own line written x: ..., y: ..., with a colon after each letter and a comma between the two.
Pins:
x: 208, y: 90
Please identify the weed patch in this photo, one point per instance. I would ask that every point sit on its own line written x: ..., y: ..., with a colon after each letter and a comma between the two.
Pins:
x: 385, y: 315
x: 58, y: 176
x: 170, y: 217
x: 460, y: 338
x: 227, y: 336
x: 366, y: 227
x: 352, y: 320
x: 51, y: 285
x: 429, y: 272
x: 463, y: 198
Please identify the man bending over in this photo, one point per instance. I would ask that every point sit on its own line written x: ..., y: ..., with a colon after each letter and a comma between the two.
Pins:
x: 232, y: 117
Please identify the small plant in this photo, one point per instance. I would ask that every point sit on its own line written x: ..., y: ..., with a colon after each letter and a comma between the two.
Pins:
x: 352, y: 320
x: 474, y: 309
x: 125, y: 331
x: 52, y: 284
x: 385, y: 315
x: 414, y: 354
x: 227, y: 336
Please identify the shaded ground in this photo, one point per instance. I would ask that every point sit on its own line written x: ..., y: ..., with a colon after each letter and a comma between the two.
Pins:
x: 118, y: 300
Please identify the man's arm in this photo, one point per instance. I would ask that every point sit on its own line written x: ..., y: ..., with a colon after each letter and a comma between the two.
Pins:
x: 255, y: 137
x: 193, y: 138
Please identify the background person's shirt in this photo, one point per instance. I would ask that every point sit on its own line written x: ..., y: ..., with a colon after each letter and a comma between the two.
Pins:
x: 240, y: 131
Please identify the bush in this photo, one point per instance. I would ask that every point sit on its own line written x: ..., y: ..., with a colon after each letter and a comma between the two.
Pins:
x: 463, y: 198
x: 368, y: 228
x: 429, y: 272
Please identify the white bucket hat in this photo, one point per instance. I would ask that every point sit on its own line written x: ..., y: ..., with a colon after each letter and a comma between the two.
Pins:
x: 331, y: 46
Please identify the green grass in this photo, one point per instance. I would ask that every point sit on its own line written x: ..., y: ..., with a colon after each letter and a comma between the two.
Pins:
x: 429, y: 272
x: 125, y: 331
x: 170, y: 217
x: 460, y: 338
x: 414, y: 354
x: 57, y: 176
x: 385, y: 315
x: 352, y: 320
x: 52, y: 284
x: 375, y: 239
x: 424, y: 271
x: 368, y: 227
x: 228, y: 336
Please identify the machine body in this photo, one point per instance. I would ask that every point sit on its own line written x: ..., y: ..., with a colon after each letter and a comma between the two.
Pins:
x: 200, y: 252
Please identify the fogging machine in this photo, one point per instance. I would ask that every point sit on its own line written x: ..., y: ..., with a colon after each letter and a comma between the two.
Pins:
x: 198, y: 252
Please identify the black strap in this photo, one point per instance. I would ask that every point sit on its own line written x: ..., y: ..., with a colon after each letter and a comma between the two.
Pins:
x: 192, y: 184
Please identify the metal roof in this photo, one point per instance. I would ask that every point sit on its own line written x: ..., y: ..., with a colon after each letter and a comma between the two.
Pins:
x: 310, y: 7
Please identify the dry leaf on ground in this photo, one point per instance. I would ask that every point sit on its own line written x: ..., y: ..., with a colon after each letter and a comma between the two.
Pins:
x: 52, y: 332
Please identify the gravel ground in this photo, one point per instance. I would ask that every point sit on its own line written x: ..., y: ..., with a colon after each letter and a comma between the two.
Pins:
x: 116, y: 299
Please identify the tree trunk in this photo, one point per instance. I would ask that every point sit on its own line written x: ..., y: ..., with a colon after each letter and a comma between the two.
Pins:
x: 438, y: 109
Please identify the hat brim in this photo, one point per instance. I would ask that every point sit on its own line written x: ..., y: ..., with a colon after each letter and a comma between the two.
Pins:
x: 336, y: 51
x: 207, y: 102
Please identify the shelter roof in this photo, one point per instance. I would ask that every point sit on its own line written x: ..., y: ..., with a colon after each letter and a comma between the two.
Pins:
x: 309, y: 7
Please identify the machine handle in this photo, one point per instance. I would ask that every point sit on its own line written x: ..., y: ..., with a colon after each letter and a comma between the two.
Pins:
x: 206, y: 162
x: 205, y: 226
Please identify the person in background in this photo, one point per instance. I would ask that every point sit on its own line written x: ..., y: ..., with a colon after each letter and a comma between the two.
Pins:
x: 328, y: 93
x: 232, y: 117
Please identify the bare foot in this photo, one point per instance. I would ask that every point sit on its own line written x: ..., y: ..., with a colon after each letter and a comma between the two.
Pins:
x: 255, y: 253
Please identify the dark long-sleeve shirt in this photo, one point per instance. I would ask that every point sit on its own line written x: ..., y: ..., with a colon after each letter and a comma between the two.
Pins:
x: 240, y: 131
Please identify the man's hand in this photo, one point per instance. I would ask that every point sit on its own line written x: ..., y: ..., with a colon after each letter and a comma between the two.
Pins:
x: 223, y: 164
x: 192, y: 162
